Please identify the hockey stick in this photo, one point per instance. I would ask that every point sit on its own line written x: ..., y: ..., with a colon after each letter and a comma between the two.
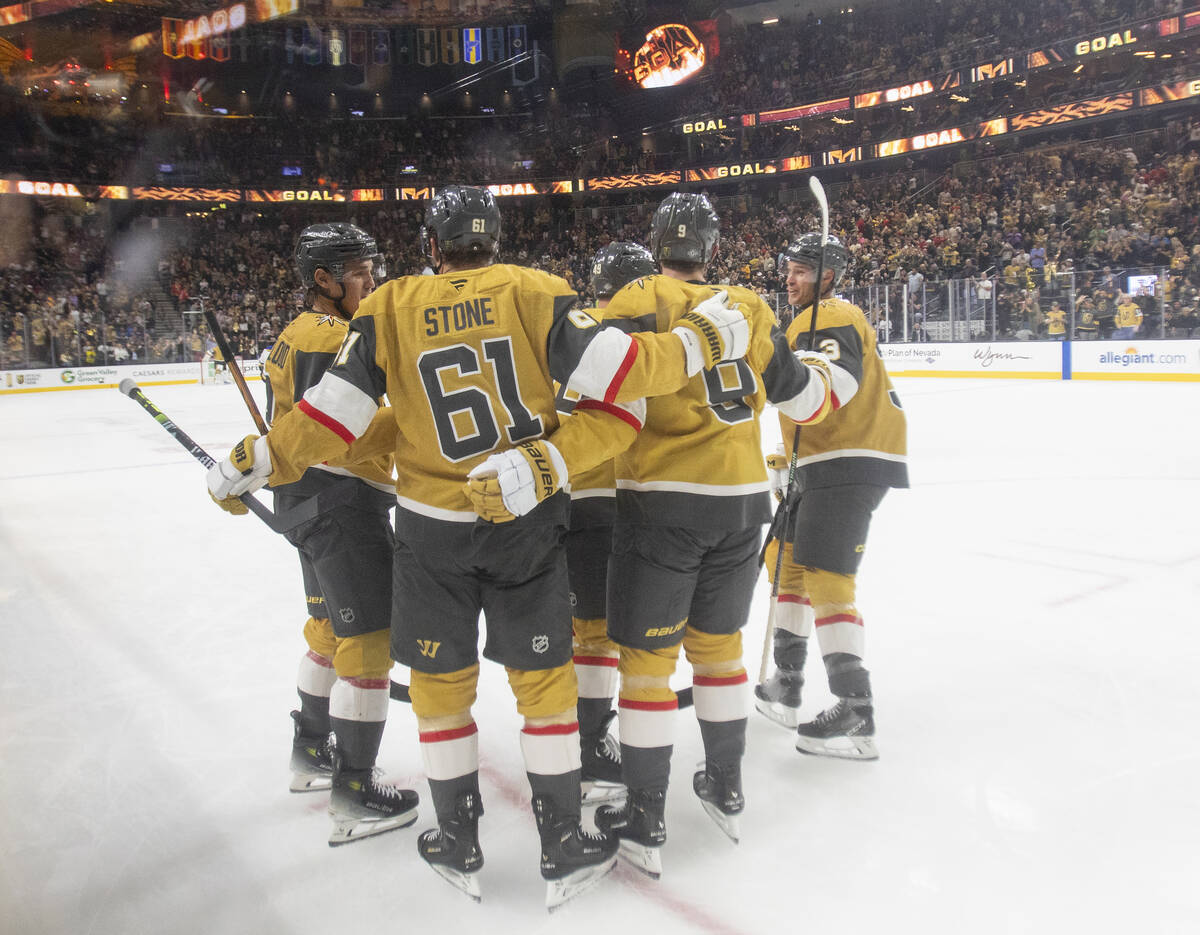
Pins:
x: 276, y: 523
x: 231, y: 364
x: 784, y: 509
x: 280, y: 523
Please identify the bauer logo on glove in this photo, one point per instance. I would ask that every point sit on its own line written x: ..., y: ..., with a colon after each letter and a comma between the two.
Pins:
x: 512, y: 483
x: 712, y: 332
x: 244, y: 471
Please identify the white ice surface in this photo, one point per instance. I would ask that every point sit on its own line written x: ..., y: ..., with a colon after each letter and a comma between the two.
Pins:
x: 1033, y: 618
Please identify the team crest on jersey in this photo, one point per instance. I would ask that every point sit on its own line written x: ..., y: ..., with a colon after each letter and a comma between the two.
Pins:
x: 347, y: 614
x: 541, y: 643
x: 331, y: 320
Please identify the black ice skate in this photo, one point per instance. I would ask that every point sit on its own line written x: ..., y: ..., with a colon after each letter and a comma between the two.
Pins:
x: 778, y: 698
x: 452, y: 848
x: 361, y: 805
x: 600, y: 757
x: 641, y: 827
x: 846, y: 730
x: 312, y: 760
x: 572, y: 859
x: 719, y: 786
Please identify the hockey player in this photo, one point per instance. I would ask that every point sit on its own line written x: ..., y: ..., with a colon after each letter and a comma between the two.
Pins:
x: 844, y: 467
x: 589, y: 543
x: 692, y: 496
x: 344, y: 557
x: 474, y: 351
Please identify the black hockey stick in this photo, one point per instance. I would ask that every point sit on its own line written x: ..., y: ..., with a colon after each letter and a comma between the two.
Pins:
x: 231, y: 364
x: 779, y: 523
x: 276, y: 523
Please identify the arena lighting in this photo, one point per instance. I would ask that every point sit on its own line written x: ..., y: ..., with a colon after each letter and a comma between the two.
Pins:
x: 1078, y: 69
x: 771, y: 22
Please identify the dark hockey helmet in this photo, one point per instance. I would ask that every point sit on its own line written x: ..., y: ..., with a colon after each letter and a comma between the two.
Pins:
x: 684, y: 229
x: 464, y: 219
x: 617, y: 265
x: 806, y: 249
x: 331, y: 246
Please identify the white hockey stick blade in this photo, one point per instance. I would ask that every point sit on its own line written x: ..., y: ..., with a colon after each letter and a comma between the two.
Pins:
x: 778, y: 713
x: 643, y: 858
x: 846, y: 748
x: 598, y: 792
x: 349, y: 830
x: 561, y: 891
x: 818, y: 191
x: 463, y: 882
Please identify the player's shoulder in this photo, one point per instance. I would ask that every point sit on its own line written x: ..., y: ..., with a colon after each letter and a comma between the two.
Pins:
x: 526, y: 279
x: 748, y: 298
x: 841, y: 311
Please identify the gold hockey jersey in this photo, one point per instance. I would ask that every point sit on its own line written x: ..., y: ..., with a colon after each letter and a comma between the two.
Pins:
x: 864, y: 439
x: 470, y: 361
x: 698, y: 460
x: 296, y: 363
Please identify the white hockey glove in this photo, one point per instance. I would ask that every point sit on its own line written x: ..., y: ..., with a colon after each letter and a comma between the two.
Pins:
x: 777, y: 472
x: 244, y: 471
x: 511, y: 483
x: 711, y: 332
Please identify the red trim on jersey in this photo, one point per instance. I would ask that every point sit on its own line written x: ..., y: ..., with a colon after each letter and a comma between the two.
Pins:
x: 794, y: 599
x: 671, y: 705
x: 836, y: 403
x: 551, y: 729
x: 328, y: 421
x: 607, y: 661
x: 622, y: 414
x: 367, y: 683
x: 456, y: 733
x: 610, y: 394
x: 719, y: 681
x: 320, y: 660
x: 839, y: 618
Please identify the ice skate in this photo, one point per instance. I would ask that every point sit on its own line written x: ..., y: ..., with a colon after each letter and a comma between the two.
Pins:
x: 452, y: 848
x: 778, y: 698
x: 719, y: 786
x: 641, y: 828
x: 600, y: 757
x: 361, y: 805
x: 312, y: 760
x: 572, y: 859
x: 846, y: 730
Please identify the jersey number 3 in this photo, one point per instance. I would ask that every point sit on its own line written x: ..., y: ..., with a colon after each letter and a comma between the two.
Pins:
x: 464, y: 418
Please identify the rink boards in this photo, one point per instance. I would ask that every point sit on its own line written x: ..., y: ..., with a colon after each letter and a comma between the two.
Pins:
x: 1139, y: 360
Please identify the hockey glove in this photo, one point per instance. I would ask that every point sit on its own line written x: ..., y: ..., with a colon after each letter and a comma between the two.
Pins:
x: 244, y: 471
x: 712, y: 332
x: 511, y: 483
x: 777, y: 472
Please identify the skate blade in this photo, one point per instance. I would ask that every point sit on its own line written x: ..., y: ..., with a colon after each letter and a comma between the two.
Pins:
x: 599, y: 792
x: 570, y: 886
x: 311, y: 782
x: 349, y: 830
x: 727, y: 823
x: 778, y: 713
x: 643, y: 858
x: 845, y: 748
x: 463, y: 882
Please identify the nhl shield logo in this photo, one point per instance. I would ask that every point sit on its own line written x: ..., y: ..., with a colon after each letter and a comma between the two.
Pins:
x: 347, y: 614
x: 541, y: 643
